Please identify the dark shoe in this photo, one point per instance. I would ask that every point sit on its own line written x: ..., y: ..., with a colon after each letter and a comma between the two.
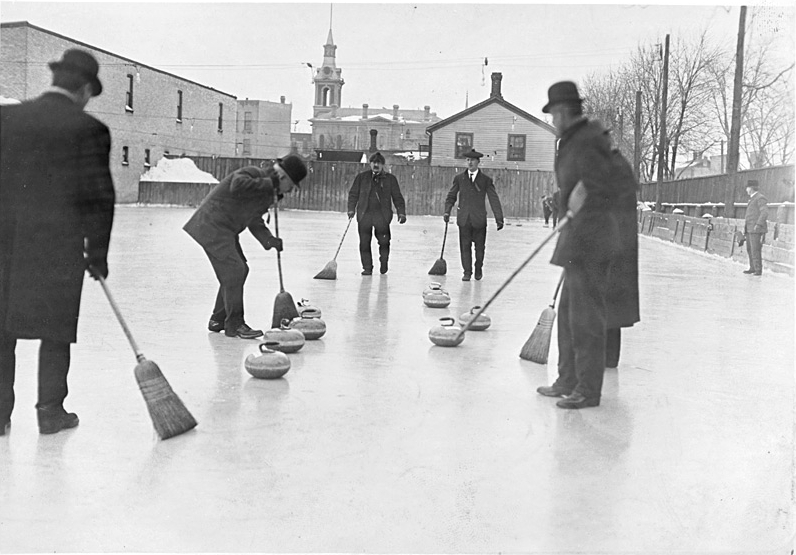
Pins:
x: 216, y: 326
x: 53, y: 420
x: 466, y: 277
x: 244, y: 332
x: 367, y: 272
x: 479, y: 274
x: 578, y: 401
x: 750, y: 271
x: 553, y: 391
x: 383, y: 269
x: 5, y: 427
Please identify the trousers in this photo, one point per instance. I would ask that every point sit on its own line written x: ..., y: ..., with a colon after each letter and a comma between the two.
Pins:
x: 368, y: 225
x: 231, y: 270
x: 754, y: 248
x: 469, y: 236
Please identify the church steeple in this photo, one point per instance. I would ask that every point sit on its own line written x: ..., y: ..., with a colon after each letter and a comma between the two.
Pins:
x: 328, y: 79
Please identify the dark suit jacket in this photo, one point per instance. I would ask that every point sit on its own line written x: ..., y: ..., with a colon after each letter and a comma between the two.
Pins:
x: 472, y: 199
x: 56, y: 193
x: 359, y: 195
x: 756, y: 214
x: 237, y: 203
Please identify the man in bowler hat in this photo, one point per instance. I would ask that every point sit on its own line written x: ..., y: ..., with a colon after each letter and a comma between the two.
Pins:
x: 238, y: 202
x: 597, y: 249
x: 755, y: 227
x: 370, y: 198
x: 471, y: 188
x: 56, y: 213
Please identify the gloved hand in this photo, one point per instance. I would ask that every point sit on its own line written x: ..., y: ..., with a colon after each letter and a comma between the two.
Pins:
x: 274, y: 243
x: 350, y: 215
x: 97, y: 265
x: 446, y: 217
x: 499, y: 226
x: 401, y: 219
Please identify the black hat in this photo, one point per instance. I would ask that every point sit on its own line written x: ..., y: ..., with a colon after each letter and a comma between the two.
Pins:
x: 82, y: 63
x: 752, y: 183
x: 563, y: 91
x: 294, y: 167
x: 377, y: 157
x: 473, y: 154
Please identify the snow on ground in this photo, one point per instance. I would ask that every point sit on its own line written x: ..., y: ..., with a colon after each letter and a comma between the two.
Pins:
x: 177, y: 170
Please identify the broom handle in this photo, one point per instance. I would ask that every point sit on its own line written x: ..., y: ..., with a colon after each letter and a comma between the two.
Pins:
x: 278, y: 253
x: 138, y: 354
x: 558, y: 288
x: 444, y: 236
x: 564, y: 221
x: 343, y: 238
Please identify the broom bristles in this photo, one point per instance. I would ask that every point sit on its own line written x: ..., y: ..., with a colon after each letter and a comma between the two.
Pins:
x: 284, y: 308
x: 439, y: 268
x: 329, y: 271
x: 537, y: 347
x: 168, y: 413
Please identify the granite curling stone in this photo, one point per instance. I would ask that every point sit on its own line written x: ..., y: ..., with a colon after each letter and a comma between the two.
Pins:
x: 269, y: 364
x: 446, y: 334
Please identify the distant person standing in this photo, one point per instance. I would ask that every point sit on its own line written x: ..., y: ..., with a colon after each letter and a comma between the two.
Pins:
x: 238, y: 202
x: 371, y: 197
x: 56, y: 213
x: 546, y: 209
x: 555, y: 202
x: 755, y: 227
x: 471, y: 188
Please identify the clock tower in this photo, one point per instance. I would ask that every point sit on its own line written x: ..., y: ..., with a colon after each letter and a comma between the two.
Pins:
x: 328, y: 80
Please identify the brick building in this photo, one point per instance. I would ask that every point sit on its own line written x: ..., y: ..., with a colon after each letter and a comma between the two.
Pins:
x: 263, y: 128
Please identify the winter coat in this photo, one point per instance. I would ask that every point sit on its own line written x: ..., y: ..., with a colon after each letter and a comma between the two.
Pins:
x: 359, y: 195
x: 56, y: 200
x: 238, y: 202
x: 472, y: 200
x: 756, y: 214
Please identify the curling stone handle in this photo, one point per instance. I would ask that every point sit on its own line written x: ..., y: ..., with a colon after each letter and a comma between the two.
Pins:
x: 265, y: 346
x: 447, y: 321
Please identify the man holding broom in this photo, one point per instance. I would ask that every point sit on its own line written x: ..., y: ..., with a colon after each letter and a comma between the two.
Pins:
x: 56, y: 213
x: 598, y: 291
x: 236, y: 203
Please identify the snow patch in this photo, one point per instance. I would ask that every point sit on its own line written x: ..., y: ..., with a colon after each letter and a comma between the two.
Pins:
x: 177, y: 170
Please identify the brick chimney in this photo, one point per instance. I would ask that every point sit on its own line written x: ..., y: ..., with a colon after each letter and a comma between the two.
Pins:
x: 427, y: 115
x: 364, y: 111
x: 373, y: 133
x: 282, y: 99
x: 395, y: 111
x: 496, y: 79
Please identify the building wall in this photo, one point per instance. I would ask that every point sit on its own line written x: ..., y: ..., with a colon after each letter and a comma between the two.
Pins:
x: 152, y: 123
x: 491, y: 127
x: 269, y: 135
x: 356, y: 135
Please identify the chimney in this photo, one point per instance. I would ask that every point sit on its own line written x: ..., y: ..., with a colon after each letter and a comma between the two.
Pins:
x: 496, y: 79
x: 373, y: 133
x: 395, y: 111
x: 282, y: 99
x: 427, y: 115
x: 364, y: 111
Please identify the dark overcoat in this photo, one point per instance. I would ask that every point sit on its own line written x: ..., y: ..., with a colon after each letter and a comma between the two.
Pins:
x: 238, y: 202
x: 605, y: 229
x: 56, y: 199
x: 472, y: 199
x: 359, y: 195
x: 756, y: 219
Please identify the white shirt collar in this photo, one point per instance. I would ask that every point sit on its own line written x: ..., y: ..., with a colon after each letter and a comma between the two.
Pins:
x: 70, y: 95
x: 473, y: 174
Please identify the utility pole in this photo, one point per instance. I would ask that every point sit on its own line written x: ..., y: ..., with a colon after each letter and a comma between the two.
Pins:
x: 721, y: 161
x: 735, y: 125
x: 637, y: 137
x: 662, y: 138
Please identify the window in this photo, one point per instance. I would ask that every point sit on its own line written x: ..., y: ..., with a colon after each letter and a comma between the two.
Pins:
x: 340, y: 142
x: 146, y: 158
x: 128, y: 103
x: 516, y: 150
x: 125, y: 156
x: 179, y: 106
x: 220, y: 117
x: 247, y: 147
x: 247, y: 122
x: 408, y: 133
x: 464, y: 143
x: 325, y: 97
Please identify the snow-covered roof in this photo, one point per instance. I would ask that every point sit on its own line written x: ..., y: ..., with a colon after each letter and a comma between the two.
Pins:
x: 4, y: 101
x: 177, y: 170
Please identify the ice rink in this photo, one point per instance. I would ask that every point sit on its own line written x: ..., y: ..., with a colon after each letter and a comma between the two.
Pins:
x: 377, y: 440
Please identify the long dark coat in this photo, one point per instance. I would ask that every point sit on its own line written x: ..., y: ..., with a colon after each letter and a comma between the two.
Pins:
x: 359, y: 195
x: 238, y: 202
x: 56, y: 194
x: 605, y: 229
x: 472, y: 199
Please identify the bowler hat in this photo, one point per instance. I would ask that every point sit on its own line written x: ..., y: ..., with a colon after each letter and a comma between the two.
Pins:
x: 81, y: 63
x: 377, y: 157
x: 752, y: 183
x: 472, y: 154
x: 563, y: 91
x: 294, y: 167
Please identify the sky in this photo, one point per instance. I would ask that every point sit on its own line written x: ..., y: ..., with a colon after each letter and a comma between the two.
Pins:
x: 410, y: 54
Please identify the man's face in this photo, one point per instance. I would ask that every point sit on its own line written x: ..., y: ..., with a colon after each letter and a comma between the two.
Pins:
x: 750, y: 191
x: 560, y: 118
x: 285, y: 183
x: 376, y: 166
x: 472, y: 164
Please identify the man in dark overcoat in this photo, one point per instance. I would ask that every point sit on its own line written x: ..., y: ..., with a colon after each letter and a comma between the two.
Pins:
x: 371, y: 197
x: 56, y: 212
x: 472, y: 187
x: 755, y: 227
x: 587, y: 249
x: 238, y: 202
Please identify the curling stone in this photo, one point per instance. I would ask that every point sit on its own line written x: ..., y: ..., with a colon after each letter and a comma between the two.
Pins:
x: 305, y: 308
x: 432, y: 287
x: 446, y: 334
x: 269, y: 364
x: 289, y: 340
x: 481, y: 323
x: 436, y: 297
x: 311, y: 326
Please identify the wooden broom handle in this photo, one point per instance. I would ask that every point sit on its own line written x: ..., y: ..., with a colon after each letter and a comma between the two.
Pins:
x: 343, y: 238
x: 278, y: 252
x: 138, y: 354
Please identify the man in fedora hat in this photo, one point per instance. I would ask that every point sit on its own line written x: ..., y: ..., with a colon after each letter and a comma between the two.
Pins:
x: 56, y: 213
x: 472, y: 187
x: 755, y: 227
x: 238, y: 202
x: 598, y: 250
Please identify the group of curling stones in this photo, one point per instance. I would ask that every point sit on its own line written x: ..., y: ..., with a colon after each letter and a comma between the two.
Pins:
x: 272, y: 362
x: 447, y: 334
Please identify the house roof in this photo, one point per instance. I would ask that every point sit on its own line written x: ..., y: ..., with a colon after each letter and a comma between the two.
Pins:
x: 491, y: 100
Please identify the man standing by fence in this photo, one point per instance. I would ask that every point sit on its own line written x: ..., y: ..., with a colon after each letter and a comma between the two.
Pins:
x: 755, y: 227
